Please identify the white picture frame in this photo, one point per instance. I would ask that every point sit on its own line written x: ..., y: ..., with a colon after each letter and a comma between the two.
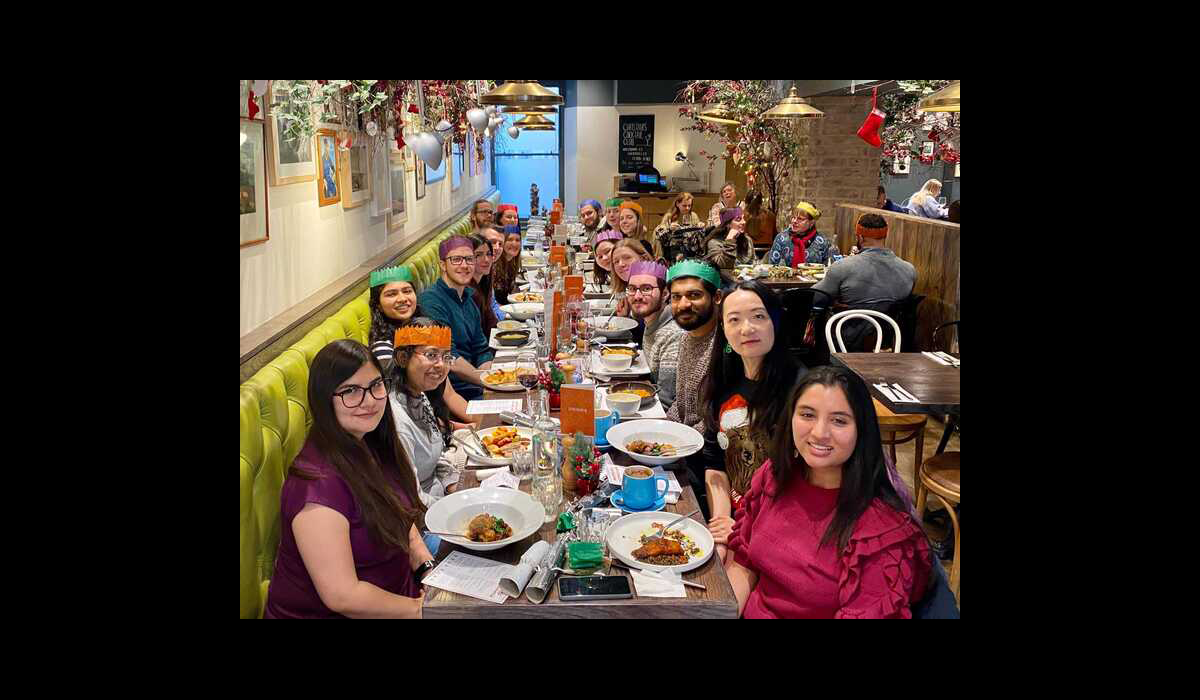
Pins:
x: 927, y: 149
x: 398, y: 188
x: 902, y: 166
x: 255, y: 217
x: 356, y: 173
x: 381, y: 180
x: 289, y: 163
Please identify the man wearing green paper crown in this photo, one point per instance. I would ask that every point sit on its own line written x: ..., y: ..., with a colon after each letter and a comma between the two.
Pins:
x: 695, y: 294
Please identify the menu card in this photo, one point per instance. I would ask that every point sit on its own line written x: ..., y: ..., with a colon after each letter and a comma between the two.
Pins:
x: 574, y: 287
x: 470, y: 575
x: 578, y: 409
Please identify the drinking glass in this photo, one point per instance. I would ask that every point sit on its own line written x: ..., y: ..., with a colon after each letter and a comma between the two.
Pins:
x: 527, y: 375
x: 522, y: 464
x: 547, y: 489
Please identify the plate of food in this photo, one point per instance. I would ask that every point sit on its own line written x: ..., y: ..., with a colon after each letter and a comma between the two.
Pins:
x: 523, y: 311
x: 623, y: 361
x: 637, y: 540
x: 511, y: 326
x: 654, y: 441
x: 502, y: 377
x: 500, y: 441
x: 488, y: 518
x: 612, y: 327
x: 530, y: 297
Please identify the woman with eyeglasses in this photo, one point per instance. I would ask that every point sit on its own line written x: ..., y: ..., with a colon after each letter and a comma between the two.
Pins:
x: 393, y: 303
x: 350, y: 542
x: 422, y: 420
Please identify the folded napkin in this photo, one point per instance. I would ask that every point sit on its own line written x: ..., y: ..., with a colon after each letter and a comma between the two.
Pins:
x: 662, y: 584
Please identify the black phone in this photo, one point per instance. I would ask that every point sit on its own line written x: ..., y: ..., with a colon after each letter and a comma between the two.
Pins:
x: 593, y: 588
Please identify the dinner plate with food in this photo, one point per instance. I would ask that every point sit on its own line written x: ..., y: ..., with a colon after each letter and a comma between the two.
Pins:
x: 610, y: 361
x: 526, y: 297
x: 612, y: 327
x: 637, y: 540
x: 654, y: 441
x: 501, y: 377
x: 488, y: 518
x: 508, y: 339
x: 500, y: 442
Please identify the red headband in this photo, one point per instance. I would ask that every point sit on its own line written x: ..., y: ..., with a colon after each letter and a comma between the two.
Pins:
x: 871, y: 232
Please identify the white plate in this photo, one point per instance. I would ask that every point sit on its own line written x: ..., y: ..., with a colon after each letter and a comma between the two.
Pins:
x: 655, y: 430
x: 510, y: 366
x: 624, y: 536
x: 621, y: 326
x: 523, y: 432
x: 517, y: 508
x: 495, y: 344
x: 539, y: 299
x: 598, y: 367
x: 524, y: 311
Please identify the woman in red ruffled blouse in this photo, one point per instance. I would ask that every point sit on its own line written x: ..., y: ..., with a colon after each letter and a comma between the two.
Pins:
x: 823, y: 533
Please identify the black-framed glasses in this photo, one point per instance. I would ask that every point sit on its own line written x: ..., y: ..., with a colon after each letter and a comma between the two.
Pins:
x: 644, y: 290
x: 461, y: 259
x: 353, y: 396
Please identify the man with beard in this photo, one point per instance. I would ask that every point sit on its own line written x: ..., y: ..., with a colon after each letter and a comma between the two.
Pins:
x: 449, y: 302
x: 660, y: 340
x: 589, y: 216
x: 694, y: 287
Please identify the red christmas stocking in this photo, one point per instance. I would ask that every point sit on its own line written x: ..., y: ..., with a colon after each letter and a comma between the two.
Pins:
x: 869, y: 131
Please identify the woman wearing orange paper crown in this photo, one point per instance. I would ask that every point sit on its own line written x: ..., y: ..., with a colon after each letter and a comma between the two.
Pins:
x: 631, y: 226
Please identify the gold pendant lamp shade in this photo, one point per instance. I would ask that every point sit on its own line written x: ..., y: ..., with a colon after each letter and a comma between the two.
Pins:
x: 529, y: 110
x: 521, y: 93
x: 534, y: 122
x: 718, y: 115
x: 793, y: 107
x: 944, y: 100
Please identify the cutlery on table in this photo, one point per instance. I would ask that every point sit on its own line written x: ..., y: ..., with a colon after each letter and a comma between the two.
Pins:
x: 470, y: 449
x: 948, y: 358
x: 677, y: 520
x: 887, y: 392
x: 905, y: 393
x: 935, y: 358
x: 686, y: 583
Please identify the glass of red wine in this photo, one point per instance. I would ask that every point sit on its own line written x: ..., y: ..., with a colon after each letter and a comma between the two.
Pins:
x: 527, y: 375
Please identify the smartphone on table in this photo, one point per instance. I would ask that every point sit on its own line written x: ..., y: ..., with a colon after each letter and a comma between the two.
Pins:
x: 593, y: 588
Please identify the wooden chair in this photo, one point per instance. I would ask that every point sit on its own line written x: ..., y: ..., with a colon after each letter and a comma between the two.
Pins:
x: 939, y: 475
x: 891, y: 425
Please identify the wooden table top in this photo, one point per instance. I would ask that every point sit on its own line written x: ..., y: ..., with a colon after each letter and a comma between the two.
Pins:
x: 788, y: 283
x: 716, y: 602
x: 937, y: 385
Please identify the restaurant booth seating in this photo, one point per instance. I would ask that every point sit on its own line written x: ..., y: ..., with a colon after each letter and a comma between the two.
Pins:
x: 275, y: 419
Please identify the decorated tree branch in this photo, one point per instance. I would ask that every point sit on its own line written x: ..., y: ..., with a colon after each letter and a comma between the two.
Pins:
x: 904, y: 129
x: 765, y: 149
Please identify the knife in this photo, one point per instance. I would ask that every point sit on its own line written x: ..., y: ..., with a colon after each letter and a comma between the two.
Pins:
x: 886, y: 392
x: 906, y: 393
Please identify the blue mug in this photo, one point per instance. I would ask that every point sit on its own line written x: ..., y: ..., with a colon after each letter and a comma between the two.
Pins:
x: 640, y: 487
x: 605, y: 419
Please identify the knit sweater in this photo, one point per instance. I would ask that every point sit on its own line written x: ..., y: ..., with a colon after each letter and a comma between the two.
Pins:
x: 661, y: 344
x: 694, y: 356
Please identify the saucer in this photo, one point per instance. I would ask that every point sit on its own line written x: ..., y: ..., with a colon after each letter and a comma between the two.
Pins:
x: 618, y: 500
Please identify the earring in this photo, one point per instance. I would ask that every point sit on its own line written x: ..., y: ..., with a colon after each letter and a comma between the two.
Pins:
x: 728, y: 348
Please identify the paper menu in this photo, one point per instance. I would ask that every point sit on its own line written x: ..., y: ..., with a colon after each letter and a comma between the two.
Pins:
x: 574, y: 287
x: 577, y: 409
x: 479, y: 407
x: 502, y: 478
x: 471, y: 576
x: 558, y: 255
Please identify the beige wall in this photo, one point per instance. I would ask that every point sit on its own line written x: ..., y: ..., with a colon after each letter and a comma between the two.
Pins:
x: 590, y: 149
x: 311, y: 246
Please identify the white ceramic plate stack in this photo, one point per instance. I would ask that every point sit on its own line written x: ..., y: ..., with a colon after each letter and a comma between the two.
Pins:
x: 518, y: 509
x: 625, y: 534
x: 655, y: 430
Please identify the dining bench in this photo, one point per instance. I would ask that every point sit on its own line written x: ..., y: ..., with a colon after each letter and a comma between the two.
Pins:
x: 275, y: 419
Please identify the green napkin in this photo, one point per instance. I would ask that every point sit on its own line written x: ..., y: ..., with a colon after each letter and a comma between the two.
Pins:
x: 565, y: 523
x: 585, y: 555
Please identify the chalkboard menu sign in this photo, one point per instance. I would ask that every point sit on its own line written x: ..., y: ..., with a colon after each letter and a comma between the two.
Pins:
x: 635, y: 148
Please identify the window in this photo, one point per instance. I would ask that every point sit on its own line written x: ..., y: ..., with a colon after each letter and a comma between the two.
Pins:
x: 535, y: 157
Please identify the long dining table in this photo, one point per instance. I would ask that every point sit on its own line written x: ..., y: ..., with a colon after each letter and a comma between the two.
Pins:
x: 716, y: 601
x: 934, y: 384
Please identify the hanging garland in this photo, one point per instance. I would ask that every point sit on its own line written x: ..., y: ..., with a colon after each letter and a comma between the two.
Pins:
x: 904, y: 129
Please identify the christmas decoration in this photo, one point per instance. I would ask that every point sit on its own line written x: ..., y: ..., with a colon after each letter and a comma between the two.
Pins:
x: 869, y: 131
x: 903, y: 123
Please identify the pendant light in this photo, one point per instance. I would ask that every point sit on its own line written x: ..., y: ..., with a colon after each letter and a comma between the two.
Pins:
x: 793, y: 107
x: 718, y: 115
x: 529, y: 110
x: 944, y: 100
x: 534, y: 122
x: 521, y: 93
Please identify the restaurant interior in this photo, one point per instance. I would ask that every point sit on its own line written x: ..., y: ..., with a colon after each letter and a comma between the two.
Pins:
x: 600, y: 349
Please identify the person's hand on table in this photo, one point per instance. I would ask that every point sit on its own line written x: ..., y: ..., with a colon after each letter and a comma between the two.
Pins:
x: 721, y: 527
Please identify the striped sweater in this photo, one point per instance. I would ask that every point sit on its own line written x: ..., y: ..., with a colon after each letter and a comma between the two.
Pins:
x: 694, y: 356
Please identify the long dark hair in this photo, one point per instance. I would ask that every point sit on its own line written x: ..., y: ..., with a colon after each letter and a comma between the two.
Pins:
x: 483, y: 288
x: 743, y: 245
x: 436, y: 396
x: 504, y: 272
x: 725, y: 370
x: 864, y: 475
x: 365, y: 464
x: 599, y: 273
x: 383, y: 327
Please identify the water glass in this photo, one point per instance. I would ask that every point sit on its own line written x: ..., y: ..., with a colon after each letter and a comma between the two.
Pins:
x: 522, y: 464
x: 547, y: 489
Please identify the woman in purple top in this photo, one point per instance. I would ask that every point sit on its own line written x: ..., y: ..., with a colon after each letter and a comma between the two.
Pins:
x: 349, y: 510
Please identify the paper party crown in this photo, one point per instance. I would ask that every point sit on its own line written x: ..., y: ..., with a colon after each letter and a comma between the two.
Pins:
x: 437, y: 336
x: 390, y: 274
x: 694, y: 268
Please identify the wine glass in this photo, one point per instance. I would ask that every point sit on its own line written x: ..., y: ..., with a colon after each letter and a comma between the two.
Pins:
x: 527, y: 375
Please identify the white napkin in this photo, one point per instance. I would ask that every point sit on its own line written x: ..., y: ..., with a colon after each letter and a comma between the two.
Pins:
x: 662, y: 584
x: 495, y: 478
x: 935, y: 358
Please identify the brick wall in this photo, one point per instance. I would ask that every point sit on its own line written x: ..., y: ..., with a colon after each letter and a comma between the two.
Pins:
x: 834, y: 165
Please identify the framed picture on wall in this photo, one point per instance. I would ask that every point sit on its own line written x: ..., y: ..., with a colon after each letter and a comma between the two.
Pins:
x: 289, y: 161
x: 927, y: 148
x: 397, y: 207
x: 260, y: 100
x: 901, y: 166
x: 254, y: 222
x: 328, y: 182
x: 356, y: 174
x: 420, y: 178
x: 381, y: 179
